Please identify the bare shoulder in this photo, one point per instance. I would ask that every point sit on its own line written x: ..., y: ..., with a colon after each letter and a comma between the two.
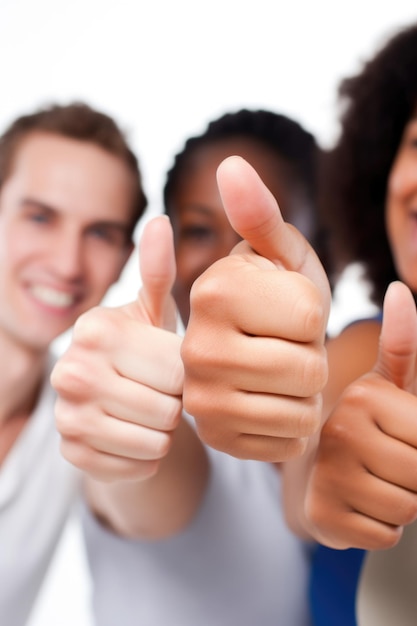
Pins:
x: 357, y: 337
x: 350, y: 354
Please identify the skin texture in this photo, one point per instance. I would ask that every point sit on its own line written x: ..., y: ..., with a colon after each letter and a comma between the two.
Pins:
x: 254, y: 379
x: 401, y: 206
x: 242, y: 408
x: 236, y: 385
x: 349, y: 356
x: 120, y: 415
x: 262, y: 367
x: 202, y: 232
x: 356, y: 488
x: 145, y: 450
x: 360, y: 495
x: 62, y: 244
x: 60, y: 231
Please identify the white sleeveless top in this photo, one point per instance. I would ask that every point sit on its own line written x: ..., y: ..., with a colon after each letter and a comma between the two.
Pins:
x: 237, y: 564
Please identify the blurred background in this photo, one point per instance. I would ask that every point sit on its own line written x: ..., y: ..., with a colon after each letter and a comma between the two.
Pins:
x: 163, y: 69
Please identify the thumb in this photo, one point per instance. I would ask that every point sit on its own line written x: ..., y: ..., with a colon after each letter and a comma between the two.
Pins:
x: 254, y: 214
x: 158, y: 269
x: 398, y: 339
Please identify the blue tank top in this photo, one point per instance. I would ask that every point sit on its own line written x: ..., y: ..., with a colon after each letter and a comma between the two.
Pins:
x: 334, y: 578
x: 333, y: 583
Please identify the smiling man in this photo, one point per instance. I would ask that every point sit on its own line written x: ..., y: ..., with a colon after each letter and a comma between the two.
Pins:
x: 70, y: 197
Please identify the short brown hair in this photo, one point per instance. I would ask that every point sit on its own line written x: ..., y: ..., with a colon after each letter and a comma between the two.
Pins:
x: 79, y: 121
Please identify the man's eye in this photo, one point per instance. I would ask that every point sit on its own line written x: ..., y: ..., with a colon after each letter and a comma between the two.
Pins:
x: 113, y: 236
x: 100, y: 233
x: 40, y: 218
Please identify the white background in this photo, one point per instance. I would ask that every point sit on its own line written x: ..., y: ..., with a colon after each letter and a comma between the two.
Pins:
x: 163, y: 68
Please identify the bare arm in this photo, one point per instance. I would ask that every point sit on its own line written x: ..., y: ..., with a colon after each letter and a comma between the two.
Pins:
x: 164, y: 503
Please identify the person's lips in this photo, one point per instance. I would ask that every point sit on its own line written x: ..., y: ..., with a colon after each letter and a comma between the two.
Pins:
x: 53, y: 297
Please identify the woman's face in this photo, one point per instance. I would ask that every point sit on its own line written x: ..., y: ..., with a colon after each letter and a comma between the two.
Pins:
x: 401, y: 206
x: 201, y: 230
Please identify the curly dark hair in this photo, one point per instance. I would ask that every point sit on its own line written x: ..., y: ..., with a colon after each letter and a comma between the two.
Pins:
x: 76, y: 120
x: 376, y: 105
x: 286, y: 137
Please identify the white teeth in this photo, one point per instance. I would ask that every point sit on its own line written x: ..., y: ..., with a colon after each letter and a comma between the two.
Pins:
x: 52, y: 297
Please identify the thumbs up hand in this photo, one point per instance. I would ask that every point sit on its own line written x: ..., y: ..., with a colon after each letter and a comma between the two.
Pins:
x: 398, y: 341
x: 253, y: 351
x: 363, y: 486
x: 119, y: 384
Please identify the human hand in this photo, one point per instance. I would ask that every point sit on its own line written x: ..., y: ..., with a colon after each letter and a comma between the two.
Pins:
x: 120, y: 382
x: 363, y: 485
x: 253, y: 352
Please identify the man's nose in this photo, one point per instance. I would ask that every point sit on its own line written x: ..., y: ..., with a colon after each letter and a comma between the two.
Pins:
x: 68, y: 261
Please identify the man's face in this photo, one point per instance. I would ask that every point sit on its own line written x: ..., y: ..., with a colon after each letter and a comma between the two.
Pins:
x: 65, y: 210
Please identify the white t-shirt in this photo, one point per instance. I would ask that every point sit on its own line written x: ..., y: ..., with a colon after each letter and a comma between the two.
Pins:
x: 237, y: 564
x: 37, y: 490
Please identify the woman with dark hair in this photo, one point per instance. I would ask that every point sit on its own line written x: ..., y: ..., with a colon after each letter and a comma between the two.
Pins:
x: 283, y: 153
x: 377, y: 104
x: 369, y: 193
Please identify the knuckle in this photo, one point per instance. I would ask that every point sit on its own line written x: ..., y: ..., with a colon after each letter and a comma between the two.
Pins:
x: 310, y: 417
x: 72, y: 377
x: 315, y: 371
x: 177, y: 377
x: 407, y: 511
x: 315, y: 513
x: 172, y: 415
x: 192, y: 399
x: 215, y: 438
x: 330, y: 530
x: 66, y: 423
x: 134, y: 470
x: 202, y: 359
x: 356, y: 393
x: 312, y: 312
x: 214, y: 291
x: 291, y: 448
x: 93, y: 328
x: 129, y: 469
x: 162, y: 445
x: 201, y: 293
x: 189, y: 352
x: 335, y: 433
x: 78, y: 455
x: 143, y: 470
x: 386, y: 538
x: 206, y: 287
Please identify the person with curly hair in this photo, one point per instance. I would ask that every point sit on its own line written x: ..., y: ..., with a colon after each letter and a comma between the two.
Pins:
x: 362, y: 494
x: 232, y: 559
x: 284, y: 153
x: 354, y: 486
